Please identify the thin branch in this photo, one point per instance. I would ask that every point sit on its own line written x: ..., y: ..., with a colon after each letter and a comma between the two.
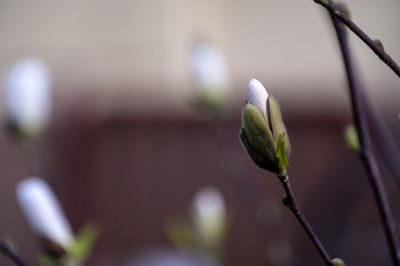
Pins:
x: 11, y: 255
x: 291, y: 203
x: 366, y: 153
x: 383, y: 138
x: 329, y: 5
x: 249, y: 194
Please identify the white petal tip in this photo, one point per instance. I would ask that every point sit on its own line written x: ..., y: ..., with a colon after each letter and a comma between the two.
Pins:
x: 43, y: 211
x: 27, y: 93
x: 254, y: 81
x: 257, y: 95
x: 256, y: 86
x: 209, y: 203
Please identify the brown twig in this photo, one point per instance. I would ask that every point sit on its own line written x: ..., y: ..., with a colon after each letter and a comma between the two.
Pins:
x: 329, y: 5
x: 11, y: 255
x: 291, y: 203
x: 383, y: 138
x: 366, y: 153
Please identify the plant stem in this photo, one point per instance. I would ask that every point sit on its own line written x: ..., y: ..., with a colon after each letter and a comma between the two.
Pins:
x: 291, y: 203
x: 366, y: 153
x: 329, y: 5
x: 384, y: 139
x: 11, y: 255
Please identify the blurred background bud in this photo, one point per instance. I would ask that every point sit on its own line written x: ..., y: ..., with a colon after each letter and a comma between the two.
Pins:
x: 27, y: 94
x: 211, y: 77
x: 351, y: 138
x: 171, y: 257
x: 338, y: 262
x: 209, y: 217
x: 44, y: 215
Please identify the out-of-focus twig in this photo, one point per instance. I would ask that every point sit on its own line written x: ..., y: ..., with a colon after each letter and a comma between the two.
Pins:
x: 383, y: 138
x: 9, y: 253
x: 366, y: 152
x: 335, y: 11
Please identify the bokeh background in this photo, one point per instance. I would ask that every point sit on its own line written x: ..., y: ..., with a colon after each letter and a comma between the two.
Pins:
x: 126, y: 148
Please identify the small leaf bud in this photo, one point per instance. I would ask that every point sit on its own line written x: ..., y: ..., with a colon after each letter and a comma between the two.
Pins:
x: 380, y: 44
x: 351, y: 138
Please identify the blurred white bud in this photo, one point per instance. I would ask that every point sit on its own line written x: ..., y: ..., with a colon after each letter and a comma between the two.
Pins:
x: 27, y: 92
x: 209, y: 67
x: 160, y: 256
x: 209, y: 215
x: 43, y: 211
x: 211, y: 75
x: 257, y: 95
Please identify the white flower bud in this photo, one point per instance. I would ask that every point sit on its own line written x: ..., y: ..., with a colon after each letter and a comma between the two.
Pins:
x: 209, y: 214
x: 263, y: 133
x: 43, y: 211
x: 27, y: 92
x: 209, y: 67
x: 257, y: 95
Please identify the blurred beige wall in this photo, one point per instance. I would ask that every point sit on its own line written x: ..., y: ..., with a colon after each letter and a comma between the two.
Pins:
x: 115, y: 49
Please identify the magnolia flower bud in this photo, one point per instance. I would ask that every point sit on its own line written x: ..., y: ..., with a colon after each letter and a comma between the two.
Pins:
x: 27, y: 92
x: 263, y: 133
x: 209, y: 215
x: 44, y: 214
x: 211, y: 76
